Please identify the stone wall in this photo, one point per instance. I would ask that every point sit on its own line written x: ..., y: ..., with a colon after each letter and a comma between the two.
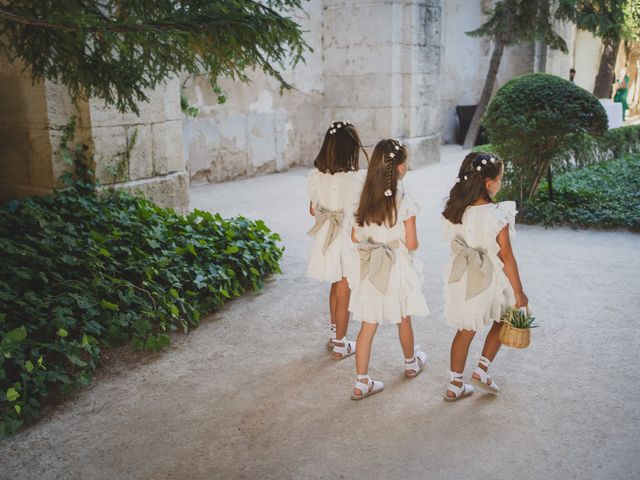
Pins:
x: 33, y: 117
x: 258, y: 130
x: 382, y: 71
x: 466, y: 60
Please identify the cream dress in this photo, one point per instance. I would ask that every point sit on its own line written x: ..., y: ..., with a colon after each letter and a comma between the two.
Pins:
x: 403, y: 296
x: 338, y: 192
x: 479, y: 228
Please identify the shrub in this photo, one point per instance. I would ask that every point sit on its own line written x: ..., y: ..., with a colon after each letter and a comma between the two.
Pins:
x: 605, y: 195
x: 79, y: 271
x: 533, y: 118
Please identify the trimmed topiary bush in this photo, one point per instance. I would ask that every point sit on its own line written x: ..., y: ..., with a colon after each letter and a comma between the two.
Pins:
x: 532, y: 119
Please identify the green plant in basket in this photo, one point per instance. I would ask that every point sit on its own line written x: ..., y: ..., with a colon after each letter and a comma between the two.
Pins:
x: 519, y: 318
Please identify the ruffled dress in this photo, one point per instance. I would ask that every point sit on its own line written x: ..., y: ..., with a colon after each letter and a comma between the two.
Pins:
x: 338, y: 192
x: 479, y: 228
x: 403, y: 296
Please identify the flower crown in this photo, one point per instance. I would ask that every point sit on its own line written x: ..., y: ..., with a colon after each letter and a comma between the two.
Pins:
x: 478, y: 163
x: 335, y: 125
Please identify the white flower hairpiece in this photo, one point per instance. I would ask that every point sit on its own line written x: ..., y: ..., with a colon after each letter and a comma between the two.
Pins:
x: 465, y: 177
x: 331, y: 132
x: 484, y: 162
x: 457, y: 179
x: 478, y: 168
x: 397, y: 147
x: 388, y: 193
x: 392, y: 155
x: 492, y: 160
x: 339, y: 125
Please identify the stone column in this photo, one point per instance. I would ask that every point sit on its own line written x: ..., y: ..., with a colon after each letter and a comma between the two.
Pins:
x: 382, y: 71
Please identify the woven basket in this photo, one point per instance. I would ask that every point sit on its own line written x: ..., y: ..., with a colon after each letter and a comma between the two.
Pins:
x: 514, y: 337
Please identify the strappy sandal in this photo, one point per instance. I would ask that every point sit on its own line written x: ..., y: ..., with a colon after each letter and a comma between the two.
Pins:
x: 343, y: 348
x: 485, y: 381
x: 459, y: 392
x: 332, y: 338
x: 370, y: 388
x: 414, y: 366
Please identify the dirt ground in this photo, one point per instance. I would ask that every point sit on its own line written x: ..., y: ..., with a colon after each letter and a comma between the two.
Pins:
x: 253, y: 393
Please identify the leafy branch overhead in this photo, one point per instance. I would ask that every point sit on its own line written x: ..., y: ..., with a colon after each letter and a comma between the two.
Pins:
x: 116, y: 49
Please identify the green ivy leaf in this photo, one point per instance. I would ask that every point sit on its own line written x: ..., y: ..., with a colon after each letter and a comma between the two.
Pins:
x: 174, y: 310
x: 28, y: 365
x: 174, y: 293
x: 17, y: 408
x: 109, y: 305
x: 104, y: 252
x: 62, y: 332
x: 17, y: 334
x: 12, y: 395
x: 231, y: 249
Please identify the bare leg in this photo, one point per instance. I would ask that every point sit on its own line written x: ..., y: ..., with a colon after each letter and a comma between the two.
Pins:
x: 363, y: 349
x: 491, y: 346
x: 341, y: 318
x: 405, y: 332
x: 459, y: 352
x: 333, y: 302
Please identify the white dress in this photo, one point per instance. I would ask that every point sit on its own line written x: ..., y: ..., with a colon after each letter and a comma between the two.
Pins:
x: 403, y: 296
x: 338, y: 192
x: 479, y: 228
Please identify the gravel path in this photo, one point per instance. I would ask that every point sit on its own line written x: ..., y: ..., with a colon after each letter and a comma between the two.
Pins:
x: 253, y: 394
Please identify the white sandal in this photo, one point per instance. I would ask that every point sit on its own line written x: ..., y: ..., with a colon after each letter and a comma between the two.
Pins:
x: 332, y: 338
x: 343, y: 348
x: 459, y: 392
x: 485, y: 381
x: 370, y: 388
x: 413, y: 366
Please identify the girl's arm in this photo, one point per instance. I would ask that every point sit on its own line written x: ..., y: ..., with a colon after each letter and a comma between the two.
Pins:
x: 411, y: 236
x: 511, y: 267
x: 311, y: 210
x: 354, y: 239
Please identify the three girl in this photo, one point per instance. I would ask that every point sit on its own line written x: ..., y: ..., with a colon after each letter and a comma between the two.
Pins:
x: 385, y: 280
x: 334, y: 190
x: 482, y: 277
x: 387, y: 283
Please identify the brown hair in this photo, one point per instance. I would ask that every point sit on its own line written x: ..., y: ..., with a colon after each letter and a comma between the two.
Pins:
x: 340, y: 149
x: 471, y: 185
x: 378, y: 199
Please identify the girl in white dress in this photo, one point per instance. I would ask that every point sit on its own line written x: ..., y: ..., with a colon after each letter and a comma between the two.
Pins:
x: 481, y: 276
x: 334, y: 189
x: 387, y: 281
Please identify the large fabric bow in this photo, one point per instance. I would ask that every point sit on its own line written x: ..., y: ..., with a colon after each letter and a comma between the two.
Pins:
x: 334, y: 217
x: 475, y: 262
x: 376, y: 260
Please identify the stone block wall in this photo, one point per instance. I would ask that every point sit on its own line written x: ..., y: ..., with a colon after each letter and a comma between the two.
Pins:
x: 383, y: 71
x: 257, y: 130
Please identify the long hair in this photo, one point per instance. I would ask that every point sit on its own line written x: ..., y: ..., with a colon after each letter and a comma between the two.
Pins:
x: 471, y: 185
x: 340, y: 149
x: 378, y: 202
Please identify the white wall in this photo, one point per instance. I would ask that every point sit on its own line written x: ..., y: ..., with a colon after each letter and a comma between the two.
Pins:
x: 257, y: 130
x: 466, y: 60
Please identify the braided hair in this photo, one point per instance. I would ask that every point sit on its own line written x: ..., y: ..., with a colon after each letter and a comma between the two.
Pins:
x: 470, y: 186
x: 378, y: 202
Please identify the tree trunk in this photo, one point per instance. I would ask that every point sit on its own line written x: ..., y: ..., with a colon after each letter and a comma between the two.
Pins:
x: 605, y: 77
x: 550, y: 182
x: 487, y: 90
x: 542, y: 56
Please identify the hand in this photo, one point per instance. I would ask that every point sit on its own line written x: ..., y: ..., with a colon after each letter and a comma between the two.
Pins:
x: 521, y: 300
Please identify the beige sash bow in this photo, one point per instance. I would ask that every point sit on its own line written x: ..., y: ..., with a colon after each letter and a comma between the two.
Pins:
x: 334, y: 217
x: 475, y: 262
x: 376, y: 260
